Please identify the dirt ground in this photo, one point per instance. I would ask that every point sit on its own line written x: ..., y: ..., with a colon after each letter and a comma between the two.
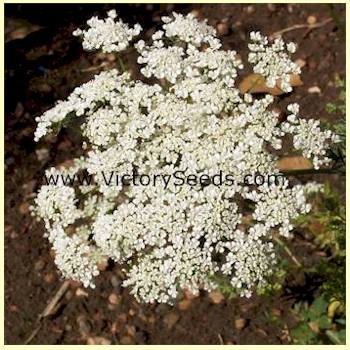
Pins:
x: 45, y: 65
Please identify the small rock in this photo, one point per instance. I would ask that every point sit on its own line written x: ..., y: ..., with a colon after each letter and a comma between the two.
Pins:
x: 132, y: 312
x: 170, y: 319
x: 111, y: 57
x: 314, y: 90
x: 42, y: 154
x: 131, y: 330
x: 114, y: 299
x: 39, y: 265
x: 69, y: 295
x: 240, y: 323
x: 216, y: 297
x: 98, y: 341
x: 222, y: 28
x: 271, y: 7
x: 300, y: 62
x: 311, y: 20
x: 115, y: 281
x: 195, y: 13
x: 24, y: 208
x: 115, y: 327
x: 49, y: 277
x: 126, y: 340
x: 250, y: 9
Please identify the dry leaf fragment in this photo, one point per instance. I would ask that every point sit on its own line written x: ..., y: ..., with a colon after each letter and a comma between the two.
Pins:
x: 255, y: 83
x: 294, y: 163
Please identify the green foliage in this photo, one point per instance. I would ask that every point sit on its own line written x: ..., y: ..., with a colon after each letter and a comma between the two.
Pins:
x: 316, y: 325
x: 338, y: 151
x: 276, y: 282
x: 327, y: 224
x: 224, y: 286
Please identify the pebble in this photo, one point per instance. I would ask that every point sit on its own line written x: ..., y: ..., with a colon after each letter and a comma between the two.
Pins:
x: 98, y: 341
x: 69, y: 295
x: 250, y: 9
x: 314, y: 90
x: 271, y: 7
x: 114, y: 299
x: 222, y: 28
x: 24, y: 208
x: 311, y: 20
x: 115, y: 281
x: 300, y: 62
x: 132, y: 312
x: 195, y: 13
x: 170, y: 319
x: 49, y: 277
x: 39, y: 265
x: 131, y: 330
x: 240, y: 323
x: 42, y: 154
x: 216, y: 297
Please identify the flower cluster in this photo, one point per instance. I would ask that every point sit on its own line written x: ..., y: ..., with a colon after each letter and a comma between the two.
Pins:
x: 108, y: 35
x: 308, y: 136
x: 273, y: 62
x: 195, y: 121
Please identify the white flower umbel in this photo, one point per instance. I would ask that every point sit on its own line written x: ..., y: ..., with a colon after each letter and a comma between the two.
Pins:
x: 109, y: 35
x: 172, y: 234
x: 75, y: 258
x: 308, y: 136
x: 273, y: 62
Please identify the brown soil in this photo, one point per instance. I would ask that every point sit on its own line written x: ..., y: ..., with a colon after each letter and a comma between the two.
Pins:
x: 45, y: 66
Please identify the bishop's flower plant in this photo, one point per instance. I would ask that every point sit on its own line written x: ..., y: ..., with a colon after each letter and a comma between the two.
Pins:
x: 185, y: 115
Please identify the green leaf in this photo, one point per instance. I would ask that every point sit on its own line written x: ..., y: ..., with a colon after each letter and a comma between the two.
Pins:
x: 320, y: 305
x: 338, y: 338
x: 324, y: 322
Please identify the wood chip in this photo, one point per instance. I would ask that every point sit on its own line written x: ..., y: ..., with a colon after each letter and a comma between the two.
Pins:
x: 294, y: 163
